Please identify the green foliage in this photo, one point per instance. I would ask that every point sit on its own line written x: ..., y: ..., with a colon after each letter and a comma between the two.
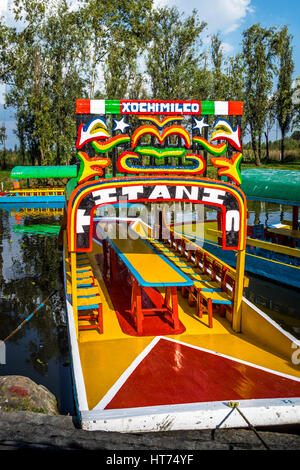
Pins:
x: 295, y: 135
x: 47, y: 80
x: 258, y: 53
x: 219, y: 82
x: 284, y: 91
x: 173, y: 55
x: 3, y: 135
x: 115, y: 31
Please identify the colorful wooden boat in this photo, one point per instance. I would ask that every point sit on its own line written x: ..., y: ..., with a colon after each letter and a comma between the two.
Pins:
x: 161, y: 337
x: 34, y: 195
x: 46, y: 209
x: 39, y: 195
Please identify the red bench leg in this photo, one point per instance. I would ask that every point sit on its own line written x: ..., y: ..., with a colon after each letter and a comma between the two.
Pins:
x: 136, y: 305
x: 199, y: 305
x: 100, y: 319
x: 210, y: 313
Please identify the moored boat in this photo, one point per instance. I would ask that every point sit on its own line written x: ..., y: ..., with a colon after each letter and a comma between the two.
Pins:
x: 161, y: 337
x: 34, y: 195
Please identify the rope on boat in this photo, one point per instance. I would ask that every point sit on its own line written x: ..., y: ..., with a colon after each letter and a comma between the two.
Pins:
x: 235, y: 405
x: 30, y: 316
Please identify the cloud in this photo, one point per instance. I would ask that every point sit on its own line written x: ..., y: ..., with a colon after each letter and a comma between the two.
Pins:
x: 227, y: 48
x: 2, y: 93
x: 220, y: 15
x: 3, y: 7
x: 161, y: 3
x: 6, y: 12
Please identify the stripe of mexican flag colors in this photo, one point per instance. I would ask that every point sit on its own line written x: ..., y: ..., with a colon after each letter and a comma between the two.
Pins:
x: 225, y: 108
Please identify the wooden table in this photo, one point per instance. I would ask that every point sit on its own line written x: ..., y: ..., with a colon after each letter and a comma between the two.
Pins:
x: 148, y: 268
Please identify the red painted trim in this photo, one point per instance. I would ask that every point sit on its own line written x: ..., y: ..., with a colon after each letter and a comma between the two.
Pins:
x: 235, y: 108
x: 83, y: 107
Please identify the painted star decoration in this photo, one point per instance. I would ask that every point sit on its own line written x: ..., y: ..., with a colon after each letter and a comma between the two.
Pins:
x: 120, y: 125
x: 199, y: 124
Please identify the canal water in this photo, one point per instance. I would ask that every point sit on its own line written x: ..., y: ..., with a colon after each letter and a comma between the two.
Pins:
x: 31, y: 269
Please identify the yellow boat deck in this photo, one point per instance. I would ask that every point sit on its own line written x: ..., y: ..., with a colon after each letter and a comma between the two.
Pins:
x: 105, y: 357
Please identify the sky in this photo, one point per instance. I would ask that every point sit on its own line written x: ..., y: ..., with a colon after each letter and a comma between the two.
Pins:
x: 229, y: 18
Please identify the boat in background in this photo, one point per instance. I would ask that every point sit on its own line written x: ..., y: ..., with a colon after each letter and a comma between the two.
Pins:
x: 39, y: 195
x: 270, y: 260
x: 272, y: 251
x: 33, y: 195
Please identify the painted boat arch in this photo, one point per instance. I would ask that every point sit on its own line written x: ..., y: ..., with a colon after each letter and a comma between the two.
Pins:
x: 87, y: 197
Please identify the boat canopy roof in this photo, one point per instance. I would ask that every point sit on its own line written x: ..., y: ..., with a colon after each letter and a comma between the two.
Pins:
x: 63, y: 171
x: 279, y: 186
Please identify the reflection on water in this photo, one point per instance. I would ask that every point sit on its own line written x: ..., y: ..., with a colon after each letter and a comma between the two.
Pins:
x: 267, y: 213
x: 276, y: 300
x: 30, y: 267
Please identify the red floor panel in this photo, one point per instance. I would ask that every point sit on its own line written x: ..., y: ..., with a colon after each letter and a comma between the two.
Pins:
x: 173, y: 373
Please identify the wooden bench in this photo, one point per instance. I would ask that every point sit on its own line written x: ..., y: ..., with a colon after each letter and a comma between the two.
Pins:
x: 213, y: 281
x: 89, y: 304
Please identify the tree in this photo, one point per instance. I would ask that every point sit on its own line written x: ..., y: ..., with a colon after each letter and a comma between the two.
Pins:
x: 296, y: 103
x: 112, y: 25
x: 174, y: 54
x: 55, y: 59
x: 217, y: 60
x: 47, y: 77
x: 258, y: 53
x: 284, y: 92
x: 3, y: 137
x: 270, y: 120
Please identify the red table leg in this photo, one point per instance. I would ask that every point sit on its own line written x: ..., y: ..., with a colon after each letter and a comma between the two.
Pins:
x: 175, y: 307
x: 171, y: 303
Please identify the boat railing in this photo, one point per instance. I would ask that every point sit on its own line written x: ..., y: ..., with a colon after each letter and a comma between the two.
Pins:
x: 266, y: 245
x: 38, y: 192
x: 223, y: 278
x: 192, y: 251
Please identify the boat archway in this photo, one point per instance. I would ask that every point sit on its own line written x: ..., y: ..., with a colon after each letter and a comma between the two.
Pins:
x: 91, y: 195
